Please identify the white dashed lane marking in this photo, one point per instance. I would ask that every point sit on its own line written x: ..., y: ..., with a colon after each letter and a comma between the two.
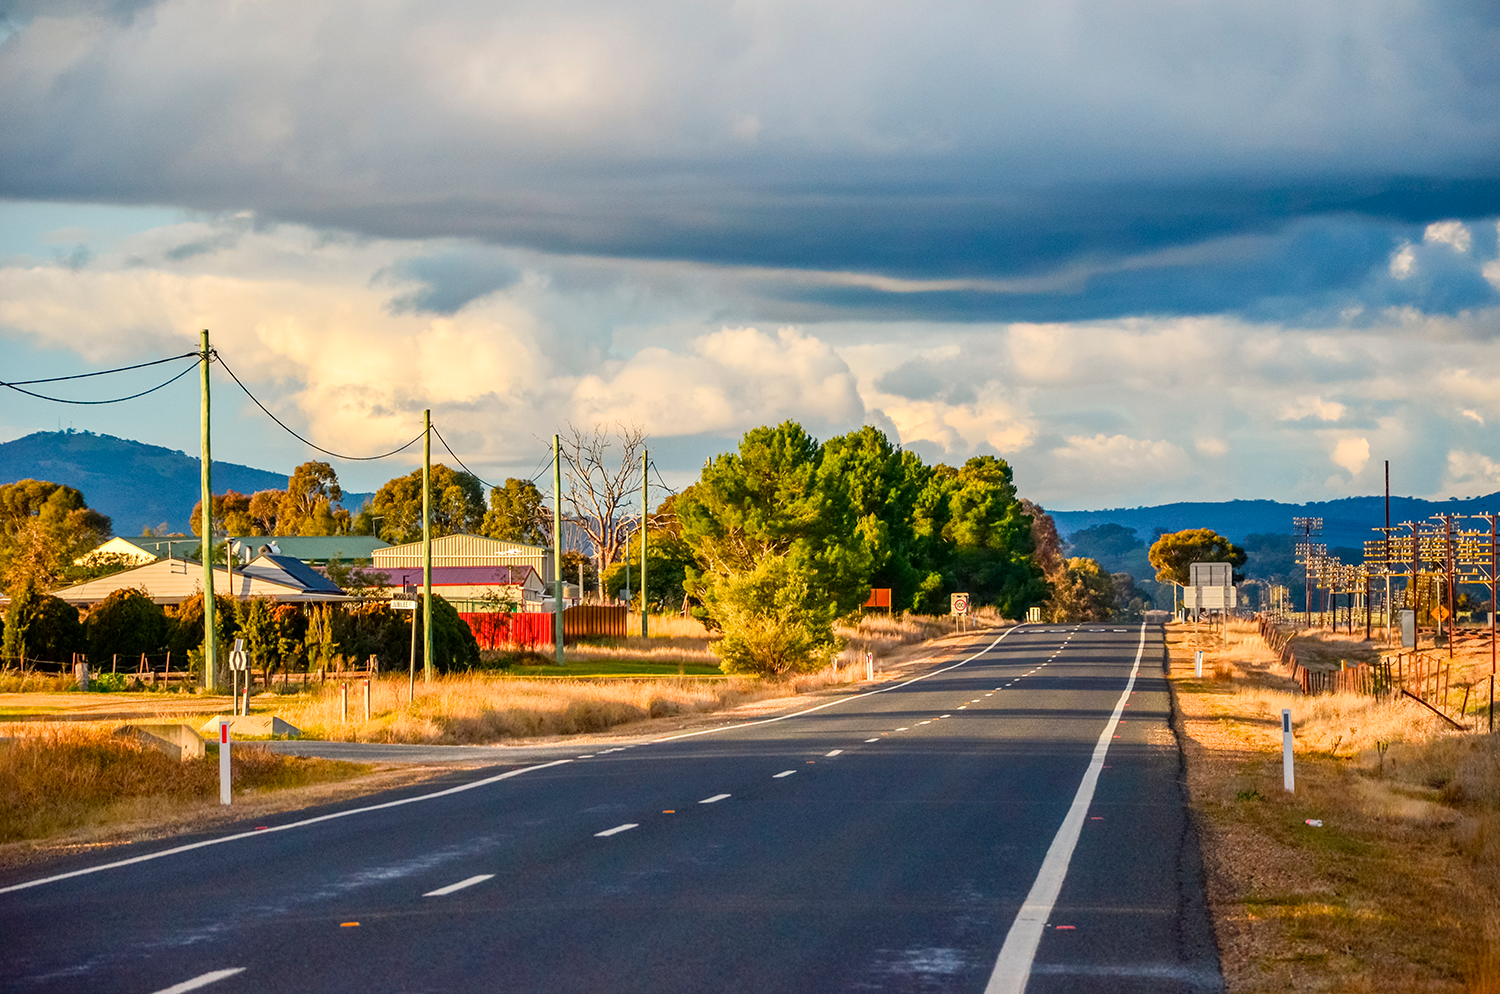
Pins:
x: 834, y: 753
x: 201, y: 981
x: 470, y: 882
x: 714, y: 800
x: 783, y: 773
x: 616, y: 830
x: 876, y: 739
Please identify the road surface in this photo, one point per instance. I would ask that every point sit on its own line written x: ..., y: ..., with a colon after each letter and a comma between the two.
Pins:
x: 1013, y: 822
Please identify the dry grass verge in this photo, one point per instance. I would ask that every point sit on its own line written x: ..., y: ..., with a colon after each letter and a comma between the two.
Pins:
x: 1399, y: 890
x: 58, y: 778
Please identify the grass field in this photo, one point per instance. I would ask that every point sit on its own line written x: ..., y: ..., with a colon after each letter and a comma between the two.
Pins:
x: 57, y: 778
x: 1398, y: 889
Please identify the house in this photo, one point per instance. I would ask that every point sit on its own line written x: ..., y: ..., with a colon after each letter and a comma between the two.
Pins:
x: 314, y: 550
x: 467, y: 550
x: 172, y: 581
x: 474, y: 588
x: 122, y: 547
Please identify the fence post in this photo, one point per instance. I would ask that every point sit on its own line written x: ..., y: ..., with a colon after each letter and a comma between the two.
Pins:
x: 367, y: 699
x: 869, y: 666
x: 344, y: 695
x: 1288, y: 776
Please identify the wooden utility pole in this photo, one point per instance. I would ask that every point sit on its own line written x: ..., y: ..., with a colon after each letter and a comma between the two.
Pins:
x: 428, y: 669
x: 557, y: 573
x: 645, y: 515
x: 210, y: 629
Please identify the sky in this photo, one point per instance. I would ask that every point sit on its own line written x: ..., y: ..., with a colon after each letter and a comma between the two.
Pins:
x: 1145, y: 250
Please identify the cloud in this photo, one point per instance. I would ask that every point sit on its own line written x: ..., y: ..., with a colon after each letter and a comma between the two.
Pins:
x: 1313, y: 407
x: 1351, y: 454
x: 1472, y: 472
x: 1113, y: 454
x: 1023, y: 162
x: 1452, y: 233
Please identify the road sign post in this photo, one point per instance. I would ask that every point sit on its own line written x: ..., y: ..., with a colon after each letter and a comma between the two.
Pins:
x: 1288, y: 776
x: 224, y: 783
x: 958, y: 606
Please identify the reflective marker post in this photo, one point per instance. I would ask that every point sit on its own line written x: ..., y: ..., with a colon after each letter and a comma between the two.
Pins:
x: 1198, y: 665
x: 1288, y: 778
x: 223, y: 760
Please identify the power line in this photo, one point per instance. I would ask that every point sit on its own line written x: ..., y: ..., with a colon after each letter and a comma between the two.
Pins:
x: 113, y: 400
x: 105, y: 372
x: 330, y: 452
x: 460, y: 461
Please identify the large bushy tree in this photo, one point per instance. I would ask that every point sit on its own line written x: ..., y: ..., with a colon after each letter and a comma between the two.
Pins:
x: 40, y: 626
x: 44, y: 528
x: 1174, y: 552
x: 457, y: 505
x: 127, y: 623
x: 517, y: 513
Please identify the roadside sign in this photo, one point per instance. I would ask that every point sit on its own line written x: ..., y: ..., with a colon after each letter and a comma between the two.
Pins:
x: 239, y: 645
x: 1442, y: 612
x: 401, y: 604
x: 1033, y: 614
x: 958, y: 603
x: 239, y: 659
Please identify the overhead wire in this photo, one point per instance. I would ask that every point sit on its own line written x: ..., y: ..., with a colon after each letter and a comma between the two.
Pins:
x: 460, y: 461
x: 305, y: 441
x: 105, y: 372
x: 112, y: 400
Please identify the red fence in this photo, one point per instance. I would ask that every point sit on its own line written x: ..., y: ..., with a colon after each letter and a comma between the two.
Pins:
x: 527, y: 630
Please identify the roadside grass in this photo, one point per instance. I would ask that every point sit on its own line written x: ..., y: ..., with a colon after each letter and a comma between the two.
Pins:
x: 56, y: 778
x: 1400, y: 887
x: 606, y: 683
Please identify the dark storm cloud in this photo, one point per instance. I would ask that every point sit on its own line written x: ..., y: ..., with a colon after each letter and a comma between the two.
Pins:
x: 1282, y: 150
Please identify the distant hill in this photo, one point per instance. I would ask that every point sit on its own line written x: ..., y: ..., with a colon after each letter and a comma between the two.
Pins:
x: 138, y: 485
x: 1346, y: 522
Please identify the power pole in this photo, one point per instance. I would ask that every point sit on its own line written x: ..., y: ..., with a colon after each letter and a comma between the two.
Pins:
x: 210, y: 629
x: 428, y: 669
x: 557, y: 573
x: 645, y: 513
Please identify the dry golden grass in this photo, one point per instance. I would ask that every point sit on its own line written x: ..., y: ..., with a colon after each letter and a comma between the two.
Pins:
x: 1398, y: 890
x: 478, y: 708
x: 58, y: 777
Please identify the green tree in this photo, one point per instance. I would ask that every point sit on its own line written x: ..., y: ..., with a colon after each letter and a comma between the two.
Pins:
x: 517, y: 514
x: 127, y: 622
x: 883, y: 485
x: 454, y: 646
x: 1174, y: 552
x: 307, y: 508
x: 1081, y: 592
x: 40, y: 626
x: 766, y: 513
x: 457, y: 505
x: 668, y: 560
x: 265, y: 631
x: 44, y: 527
x: 986, y: 534
x: 231, y: 514
x: 186, y: 633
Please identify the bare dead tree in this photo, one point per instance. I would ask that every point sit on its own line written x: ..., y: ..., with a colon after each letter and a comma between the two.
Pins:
x: 601, y: 484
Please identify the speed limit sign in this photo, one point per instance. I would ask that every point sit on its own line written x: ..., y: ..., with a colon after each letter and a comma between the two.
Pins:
x: 958, y: 603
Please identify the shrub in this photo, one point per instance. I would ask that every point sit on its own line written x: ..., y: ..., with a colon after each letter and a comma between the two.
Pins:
x: 126, y: 622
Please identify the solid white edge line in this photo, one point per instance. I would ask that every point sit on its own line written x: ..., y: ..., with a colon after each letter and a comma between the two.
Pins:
x: 1013, y: 965
x: 201, y: 981
x: 263, y: 832
x: 617, y: 830
x: 470, y: 882
x: 842, y: 700
x: 715, y: 799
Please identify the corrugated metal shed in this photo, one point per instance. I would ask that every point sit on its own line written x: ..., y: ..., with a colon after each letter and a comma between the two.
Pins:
x: 467, y: 550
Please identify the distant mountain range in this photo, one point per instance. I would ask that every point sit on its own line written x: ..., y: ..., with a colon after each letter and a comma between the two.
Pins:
x: 1346, y: 523
x: 139, y: 486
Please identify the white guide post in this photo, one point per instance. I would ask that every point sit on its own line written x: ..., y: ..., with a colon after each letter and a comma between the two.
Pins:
x: 1288, y: 777
x: 1198, y: 665
x: 223, y: 760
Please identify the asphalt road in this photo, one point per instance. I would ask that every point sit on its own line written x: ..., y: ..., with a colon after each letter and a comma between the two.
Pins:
x: 988, y: 827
